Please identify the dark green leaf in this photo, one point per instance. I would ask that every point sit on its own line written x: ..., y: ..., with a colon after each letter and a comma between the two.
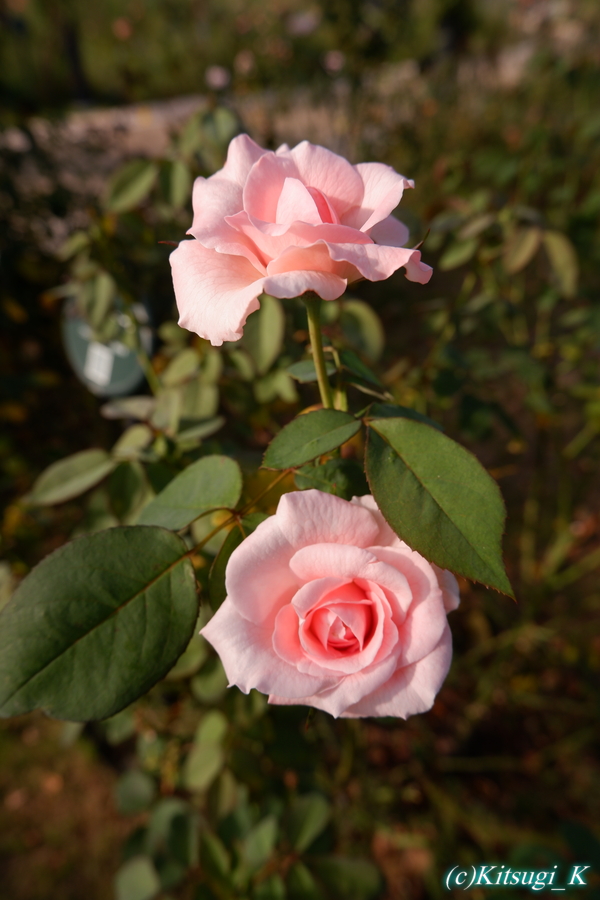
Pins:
x: 305, y: 372
x: 309, y: 436
x: 96, y: 624
x: 307, y: 818
x: 272, y: 888
x: 343, y: 477
x: 127, y: 489
x: 214, y: 856
x: 348, y: 879
x: 362, y: 328
x: 301, y: 884
x: 438, y: 498
x: 70, y: 477
x: 391, y: 411
x: 213, y: 482
x: 216, y: 578
x: 209, y: 685
x: 356, y: 366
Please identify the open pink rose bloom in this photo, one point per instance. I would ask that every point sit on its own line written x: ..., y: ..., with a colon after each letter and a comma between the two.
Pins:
x: 285, y: 223
x: 327, y: 607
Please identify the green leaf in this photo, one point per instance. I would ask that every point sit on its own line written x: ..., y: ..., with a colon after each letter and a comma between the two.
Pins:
x: 103, y: 291
x: 457, y: 254
x: 343, y: 477
x: 202, y: 765
x: 309, y: 436
x: 181, y: 368
x: 438, y: 498
x: 129, y: 408
x: 96, y: 624
x: 272, y: 888
x: 263, y: 333
x: 216, y: 578
x: 131, y: 185
x: 195, y: 655
x: 214, y: 856
x: 348, y: 878
x: 301, y: 884
x: 209, y: 685
x: 137, y: 880
x: 356, y: 366
x: 392, y: 411
x: 305, y: 372
x: 362, y: 328
x: 127, y: 489
x: 307, y: 818
x: 135, y: 439
x: 70, y: 477
x: 181, y: 183
x: 260, y: 842
x: 196, y: 433
x: 134, y: 792
x: 563, y: 259
x: 213, y: 482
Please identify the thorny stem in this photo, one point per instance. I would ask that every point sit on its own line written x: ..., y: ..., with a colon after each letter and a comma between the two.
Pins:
x: 313, y: 310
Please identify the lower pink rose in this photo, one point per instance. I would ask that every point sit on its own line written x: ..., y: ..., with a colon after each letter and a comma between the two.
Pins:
x: 327, y: 607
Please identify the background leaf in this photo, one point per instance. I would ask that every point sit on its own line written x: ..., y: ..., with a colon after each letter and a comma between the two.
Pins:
x: 216, y: 578
x: 343, y: 477
x: 263, y: 333
x: 212, y: 482
x: 96, y: 624
x: 70, y: 477
x: 137, y: 880
x: 131, y: 185
x: 438, y: 498
x: 348, y: 879
x: 563, y: 259
x: 307, y: 818
x: 309, y: 436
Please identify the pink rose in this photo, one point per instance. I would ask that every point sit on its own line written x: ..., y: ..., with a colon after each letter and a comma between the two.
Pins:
x: 327, y: 607
x: 286, y: 223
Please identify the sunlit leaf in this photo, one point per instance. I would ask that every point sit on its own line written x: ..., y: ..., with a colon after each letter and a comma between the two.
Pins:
x: 309, y: 436
x: 212, y: 482
x: 563, y: 259
x: 438, y: 498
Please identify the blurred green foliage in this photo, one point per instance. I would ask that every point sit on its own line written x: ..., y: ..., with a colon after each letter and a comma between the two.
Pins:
x: 502, y: 349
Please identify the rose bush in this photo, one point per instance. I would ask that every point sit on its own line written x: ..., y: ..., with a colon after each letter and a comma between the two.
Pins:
x: 286, y: 222
x: 327, y: 607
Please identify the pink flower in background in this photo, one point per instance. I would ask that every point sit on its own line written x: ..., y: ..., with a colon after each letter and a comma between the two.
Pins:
x: 327, y: 607
x: 286, y: 223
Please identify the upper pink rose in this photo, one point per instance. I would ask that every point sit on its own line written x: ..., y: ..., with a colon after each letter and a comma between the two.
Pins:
x: 285, y: 223
x: 327, y: 607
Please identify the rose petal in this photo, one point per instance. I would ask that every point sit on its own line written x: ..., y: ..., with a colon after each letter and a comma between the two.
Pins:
x: 296, y: 204
x: 242, y: 154
x: 377, y: 262
x: 337, y: 560
x: 246, y: 651
x: 410, y: 690
x: 426, y: 617
x: 294, y: 284
x: 386, y: 536
x: 264, y: 185
x: 449, y: 586
x: 312, y: 517
x: 215, y: 293
x: 383, y: 189
x: 258, y: 578
x: 329, y: 173
x: 390, y: 231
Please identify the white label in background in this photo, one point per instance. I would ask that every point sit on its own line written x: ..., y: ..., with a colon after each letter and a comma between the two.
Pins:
x: 98, y: 364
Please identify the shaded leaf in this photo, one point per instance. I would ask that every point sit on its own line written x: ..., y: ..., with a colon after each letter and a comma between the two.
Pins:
x: 343, y: 477
x: 181, y: 368
x: 134, y: 792
x: 392, y: 411
x: 348, y: 878
x: 362, y: 328
x: 305, y: 372
x: 96, y: 624
x: 301, y: 884
x: 309, y: 436
x: 356, y: 366
x: 438, y: 498
x: 263, y: 333
x: 212, y: 482
x: 133, y: 440
x: 457, y: 254
x: 259, y: 843
x: 308, y: 816
x: 521, y: 248
x: 70, y: 477
x: 131, y: 185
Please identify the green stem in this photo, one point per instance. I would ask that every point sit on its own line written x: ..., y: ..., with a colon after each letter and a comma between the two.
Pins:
x: 313, y: 310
